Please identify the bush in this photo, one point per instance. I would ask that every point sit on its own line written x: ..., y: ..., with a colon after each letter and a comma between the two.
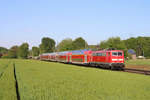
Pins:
x: 5, y: 57
x: 147, y: 57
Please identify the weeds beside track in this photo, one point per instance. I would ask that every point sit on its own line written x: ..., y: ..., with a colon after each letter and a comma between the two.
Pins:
x: 138, y: 71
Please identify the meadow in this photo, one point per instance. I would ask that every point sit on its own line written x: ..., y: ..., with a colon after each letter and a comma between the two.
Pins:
x: 3, y: 65
x: 7, y: 81
x: 39, y: 80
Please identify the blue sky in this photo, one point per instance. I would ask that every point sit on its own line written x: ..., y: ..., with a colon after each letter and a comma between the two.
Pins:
x: 94, y: 20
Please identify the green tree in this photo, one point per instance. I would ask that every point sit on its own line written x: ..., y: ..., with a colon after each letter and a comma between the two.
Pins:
x: 104, y: 45
x: 3, y: 50
x: 23, y: 50
x: 47, y: 45
x: 12, y: 53
x: 94, y: 47
x: 79, y: 43
x: 30, y: 53
x: 146, y: 47
x: 140, y: 44
x: 65, y: 45
x: 131, y: 43
x: 35, y: 51
x: 114, y: 42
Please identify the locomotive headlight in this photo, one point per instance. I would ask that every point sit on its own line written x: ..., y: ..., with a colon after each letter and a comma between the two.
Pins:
x: 117, y: 59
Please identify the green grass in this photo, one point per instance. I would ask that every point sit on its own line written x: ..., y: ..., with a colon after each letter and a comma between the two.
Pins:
x: 7, y: 81
x: 3, y: 65
x: 39, y: 80
x: 54, y: 81
x: 139, y: 62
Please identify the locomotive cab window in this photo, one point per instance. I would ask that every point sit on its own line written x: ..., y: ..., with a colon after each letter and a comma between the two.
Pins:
x: 116, y: 53
x: 119, y: 53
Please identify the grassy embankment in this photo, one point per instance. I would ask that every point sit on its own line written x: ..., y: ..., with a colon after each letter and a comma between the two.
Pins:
x: 139, y: 64
x: 54, y: 81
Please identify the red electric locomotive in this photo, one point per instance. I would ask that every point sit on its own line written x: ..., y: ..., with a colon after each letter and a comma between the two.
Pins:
x: 104, y: 58
x: 108, y: 58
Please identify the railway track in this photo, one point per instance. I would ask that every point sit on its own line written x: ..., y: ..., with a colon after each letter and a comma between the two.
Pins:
x: 138, y: 71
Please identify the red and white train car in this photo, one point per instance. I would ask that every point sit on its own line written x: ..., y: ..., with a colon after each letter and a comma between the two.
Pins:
x: 103, y: 58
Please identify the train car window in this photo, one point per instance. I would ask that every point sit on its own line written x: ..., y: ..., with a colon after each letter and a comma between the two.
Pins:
x: 119, y: 53
x: 103, y: 54
x: 94, y: 54
x: 114, y: 53
x: 99, y: 54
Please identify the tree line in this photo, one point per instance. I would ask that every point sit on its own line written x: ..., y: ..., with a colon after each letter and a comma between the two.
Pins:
x: 141, y: 45
x: 47, y: 45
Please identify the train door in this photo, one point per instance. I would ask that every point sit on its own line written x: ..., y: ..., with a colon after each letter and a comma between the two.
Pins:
x: 85, y: 58
x: 66, y: 58
x: 70, y: 58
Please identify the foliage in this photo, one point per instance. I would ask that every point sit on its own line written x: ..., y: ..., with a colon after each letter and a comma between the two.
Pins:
x: 30, y: 53
x: 5, y: 57
x: 140, y: 44
x: 0, y: 55
x: 35, y: 51
x: 65, y: 45
x: 79, y: 43
x: 7, y: 81
x: 3, y: 50
x: 23, y: 50
x: 114, y: 42
x: 12, y: 52
x: 54, y: 81
x: 94, y: 47
x: 47, y: 45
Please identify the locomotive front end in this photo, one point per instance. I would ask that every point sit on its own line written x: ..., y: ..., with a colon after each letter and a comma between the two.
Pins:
x: 117, y: 59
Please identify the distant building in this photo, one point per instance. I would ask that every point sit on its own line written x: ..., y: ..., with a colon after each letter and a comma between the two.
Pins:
x: 132, y: 53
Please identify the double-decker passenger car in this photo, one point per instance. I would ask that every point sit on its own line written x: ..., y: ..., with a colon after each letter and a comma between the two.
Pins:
x: 104, y: 58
